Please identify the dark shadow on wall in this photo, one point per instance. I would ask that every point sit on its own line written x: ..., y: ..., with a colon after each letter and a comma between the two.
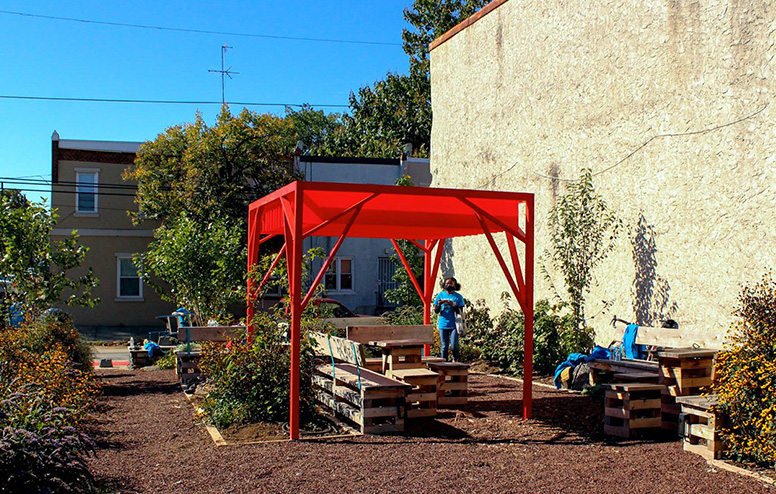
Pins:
x: 446, y: 268
x: 651, y: 293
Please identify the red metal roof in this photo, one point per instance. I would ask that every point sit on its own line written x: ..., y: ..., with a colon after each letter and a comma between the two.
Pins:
x: 389, y: 211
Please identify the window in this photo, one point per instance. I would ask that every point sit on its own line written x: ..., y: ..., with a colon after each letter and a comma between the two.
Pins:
x: 339, y: 277
x: 129, y: 283
x: 86, y: 191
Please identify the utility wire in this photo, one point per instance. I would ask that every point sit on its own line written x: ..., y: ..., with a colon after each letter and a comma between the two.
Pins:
x: 160, y: 102
x: 200, y: 31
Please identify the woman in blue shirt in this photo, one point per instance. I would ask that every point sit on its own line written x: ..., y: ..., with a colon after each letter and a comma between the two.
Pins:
x: 447, y: 303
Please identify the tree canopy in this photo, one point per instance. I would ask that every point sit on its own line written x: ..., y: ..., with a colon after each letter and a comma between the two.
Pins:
x: 33, y: 269
x: 213, y: 171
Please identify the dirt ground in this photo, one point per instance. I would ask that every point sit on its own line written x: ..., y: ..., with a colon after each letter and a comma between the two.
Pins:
x: 148, y: 442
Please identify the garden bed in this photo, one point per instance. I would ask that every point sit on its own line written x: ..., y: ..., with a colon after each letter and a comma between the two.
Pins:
x: 148, y: 441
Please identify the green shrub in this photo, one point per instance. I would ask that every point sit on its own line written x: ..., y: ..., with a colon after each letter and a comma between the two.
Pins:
x: 501, y: 340
x: 55, y: 328
x: 746, y: 375
x: 167, y: 361
x: 251, y: 382
x: 410, y: 315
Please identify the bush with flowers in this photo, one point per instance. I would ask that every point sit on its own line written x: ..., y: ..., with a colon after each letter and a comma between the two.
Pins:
x: 746, y: 377
x: 45, y: 392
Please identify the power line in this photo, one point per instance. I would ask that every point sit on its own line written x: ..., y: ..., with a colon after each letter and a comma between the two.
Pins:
x: 161, y: 102
x: 201, y: 31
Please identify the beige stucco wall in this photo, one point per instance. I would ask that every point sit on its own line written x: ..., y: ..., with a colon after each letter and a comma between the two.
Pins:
x: 541, y: 89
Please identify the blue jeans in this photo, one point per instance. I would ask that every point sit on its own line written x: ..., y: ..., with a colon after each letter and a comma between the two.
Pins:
x: 448, y: 338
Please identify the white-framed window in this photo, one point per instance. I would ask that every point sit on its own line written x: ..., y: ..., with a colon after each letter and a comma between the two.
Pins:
x: 129, y: 286
x: 339, y: 277
x: 87, y: 180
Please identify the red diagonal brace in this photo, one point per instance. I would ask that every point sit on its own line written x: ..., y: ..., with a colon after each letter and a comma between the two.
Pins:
x: 339, y: 215
x: 272, y: 267
x: 407, y: 267
x: 501, y: 262
x: 330, y: 257
x: 518, y: 233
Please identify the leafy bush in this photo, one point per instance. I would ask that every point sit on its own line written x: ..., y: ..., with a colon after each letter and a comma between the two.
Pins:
x: 406, y: 315
x: 45, y: 454
x: 45, y: 391
x: 166, y: 361
x: 746, y: 375
x: 501, y: 340
x: 251, y: 382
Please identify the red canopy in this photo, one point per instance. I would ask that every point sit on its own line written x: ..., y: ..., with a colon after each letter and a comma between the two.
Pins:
x: 425, y: 216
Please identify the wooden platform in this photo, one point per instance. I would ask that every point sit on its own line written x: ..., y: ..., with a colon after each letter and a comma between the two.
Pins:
x: 699, y: 426
x: 684, y: 372
x: 373, y: 402
x: 187, y: 366
x: 631, y: 408
x: 452, y: 384
x: 422, y: 399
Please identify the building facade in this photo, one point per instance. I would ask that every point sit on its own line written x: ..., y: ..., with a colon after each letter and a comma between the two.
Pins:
x: 668, y: 103
x: 91, y: 197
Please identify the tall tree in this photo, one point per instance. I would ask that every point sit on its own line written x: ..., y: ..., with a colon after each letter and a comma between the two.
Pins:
x: 397, y: 110
x: 34, y: 271
x: 213, y: 171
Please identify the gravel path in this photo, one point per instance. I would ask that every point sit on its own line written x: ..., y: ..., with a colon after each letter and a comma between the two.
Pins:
x: 148, y: 442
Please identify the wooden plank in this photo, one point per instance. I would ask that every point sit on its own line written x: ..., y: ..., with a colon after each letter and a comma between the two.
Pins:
x: 340, y: 408
x: 340, y: 348
x: 644, y: 404
x: 631, y: 387
x: 212, y: 333
x: 454, y: 386
x: 365, y: 334
x: 417, y: 413
x: 413, y: 397
x: 415, y: 373
x: 645, y: 423
x: 700, y: 402
x: 623, y: 365
x: 377, y: 412
x: 349, y: 374
x: 683, y: 337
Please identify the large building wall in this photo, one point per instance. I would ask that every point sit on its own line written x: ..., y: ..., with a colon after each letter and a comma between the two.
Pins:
x: 534, y: 91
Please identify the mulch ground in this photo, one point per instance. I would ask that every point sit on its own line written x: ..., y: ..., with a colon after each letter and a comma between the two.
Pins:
x: 148, y: 442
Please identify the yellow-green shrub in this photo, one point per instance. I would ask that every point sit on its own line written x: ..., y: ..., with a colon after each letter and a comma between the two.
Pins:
x: 746, y: 376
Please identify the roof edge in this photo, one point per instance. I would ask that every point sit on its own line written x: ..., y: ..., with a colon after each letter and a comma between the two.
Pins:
x: 466, y: 23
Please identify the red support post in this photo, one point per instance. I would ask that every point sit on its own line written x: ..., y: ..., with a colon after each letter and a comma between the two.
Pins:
x: 529, y: 309
x: 254, y: 227
x: 293, y: 225
x: 428, y: 286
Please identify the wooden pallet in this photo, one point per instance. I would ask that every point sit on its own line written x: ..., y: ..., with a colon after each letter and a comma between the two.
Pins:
x: 631, y: 408
x: 699, y: 426
x: 637, y: 377
x: 374, y: 403
x: 422, y: 399
x: 452, y: 384
x: 684, y: 372
x: 187, y: 366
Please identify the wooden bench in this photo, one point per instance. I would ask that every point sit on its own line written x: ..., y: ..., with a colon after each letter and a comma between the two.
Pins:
x: 453, y: 383
x: 374, y: 403
x: 365, y: 334
x: 682, y: 368
x: 632, y: 408
x: 699, y: 426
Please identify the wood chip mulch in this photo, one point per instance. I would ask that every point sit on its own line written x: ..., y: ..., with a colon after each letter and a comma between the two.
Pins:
x: 149, y: 442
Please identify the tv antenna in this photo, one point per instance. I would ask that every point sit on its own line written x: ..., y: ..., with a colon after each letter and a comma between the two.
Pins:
x: 224, y: 72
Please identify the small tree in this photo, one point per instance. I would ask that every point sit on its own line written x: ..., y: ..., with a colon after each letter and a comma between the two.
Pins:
x: 582, y: 233
x: 203, y: 264
x: 33, y: 269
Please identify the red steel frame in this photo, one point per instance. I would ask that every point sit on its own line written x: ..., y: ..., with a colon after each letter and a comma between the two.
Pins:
x: 289, y: 202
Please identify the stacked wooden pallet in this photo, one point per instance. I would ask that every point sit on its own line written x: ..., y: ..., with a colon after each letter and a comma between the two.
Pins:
x: 187, y: 366
x: 699, y: 426
x: 683, y: 372
x: 631, y: 408
x: 422, y: 399
x: 373, y: 403
x: 452, y: 384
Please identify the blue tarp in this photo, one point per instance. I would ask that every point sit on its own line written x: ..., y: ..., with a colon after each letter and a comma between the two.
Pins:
x: 575, y: 359
x: 629, y: 346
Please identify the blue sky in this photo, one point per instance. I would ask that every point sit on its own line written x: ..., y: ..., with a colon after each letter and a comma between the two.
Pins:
x: 57, y: 58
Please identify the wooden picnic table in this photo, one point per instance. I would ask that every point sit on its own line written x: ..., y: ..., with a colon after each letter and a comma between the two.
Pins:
x: 393, y: 350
